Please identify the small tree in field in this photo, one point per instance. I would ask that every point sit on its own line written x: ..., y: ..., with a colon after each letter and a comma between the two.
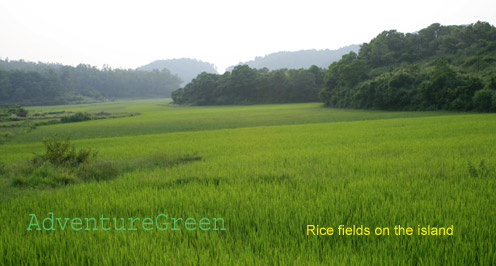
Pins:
x: 59, y: 151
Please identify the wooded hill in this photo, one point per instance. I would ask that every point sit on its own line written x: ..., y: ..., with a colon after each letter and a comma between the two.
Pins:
x: 29, y: 83
x: 438, y: 68
x: 245, y: 85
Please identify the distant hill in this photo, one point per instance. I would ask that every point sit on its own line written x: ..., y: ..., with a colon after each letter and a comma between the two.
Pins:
x: 186, y: 68
x: 299, y: 59
x: 29, y: 83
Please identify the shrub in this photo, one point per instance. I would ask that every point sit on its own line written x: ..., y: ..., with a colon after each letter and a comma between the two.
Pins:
x: 59, y: 151
x: 77, y: 117
x: 17, y: 110
x: 62, y: 164
x: 483, y: 100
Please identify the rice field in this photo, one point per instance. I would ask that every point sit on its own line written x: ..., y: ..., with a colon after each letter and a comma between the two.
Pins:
x: 268, y: 171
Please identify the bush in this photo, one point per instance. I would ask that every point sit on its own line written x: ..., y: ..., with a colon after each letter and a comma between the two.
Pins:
x: 59, y: 151
x: 77, y: 117
x: 17, y: 110
x: 484, y: 100
x: 62, y: 164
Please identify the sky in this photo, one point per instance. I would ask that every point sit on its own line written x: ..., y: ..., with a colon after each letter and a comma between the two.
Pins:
x: 129, y: 34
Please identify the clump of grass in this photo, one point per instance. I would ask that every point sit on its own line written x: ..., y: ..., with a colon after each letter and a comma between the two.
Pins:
x: 97, y: 171
x: 46, y: 175
x: 477, y: 171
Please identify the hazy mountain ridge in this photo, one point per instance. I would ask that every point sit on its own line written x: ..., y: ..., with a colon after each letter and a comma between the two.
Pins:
x: 186, y: 68
x: 299, y: 59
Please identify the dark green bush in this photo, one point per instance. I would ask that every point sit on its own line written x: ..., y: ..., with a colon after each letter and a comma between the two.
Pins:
x: 59, y: 151
x: 484, y: 100
x: 77, y: 117
x: 16, y: 110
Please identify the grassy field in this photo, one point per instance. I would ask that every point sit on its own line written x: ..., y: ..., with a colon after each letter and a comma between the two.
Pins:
x: 269, y: 171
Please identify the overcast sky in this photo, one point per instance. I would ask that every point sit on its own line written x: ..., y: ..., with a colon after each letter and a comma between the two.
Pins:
x: 129, y: 34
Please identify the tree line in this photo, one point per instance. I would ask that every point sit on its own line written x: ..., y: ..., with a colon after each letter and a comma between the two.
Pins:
x: 245, y: 85
x: 438, y: 68
x: 29, y: 83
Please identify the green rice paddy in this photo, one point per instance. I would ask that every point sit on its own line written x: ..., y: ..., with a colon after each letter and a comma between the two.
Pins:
x: 268, y: 171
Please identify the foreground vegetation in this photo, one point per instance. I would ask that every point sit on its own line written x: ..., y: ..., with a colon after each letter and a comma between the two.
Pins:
x: 268, y: 171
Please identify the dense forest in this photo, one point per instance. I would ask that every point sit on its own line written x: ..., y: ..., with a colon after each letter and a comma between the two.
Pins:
x: 299, y: 59
x: 187, y: 69
x: 438, y: 68
x: 29, y: 83
x: 245, y: 85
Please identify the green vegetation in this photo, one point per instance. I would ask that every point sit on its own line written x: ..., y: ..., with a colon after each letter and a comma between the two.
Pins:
x: 15, y: 120
x: 249, y: 86
x: 438, y: 68
x: 28, y: 83
x: 268, y: 171
x: 61, y: 164
x: 158, y: 116
x: 77, y: 117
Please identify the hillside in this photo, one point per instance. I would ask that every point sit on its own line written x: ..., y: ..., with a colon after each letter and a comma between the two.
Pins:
x: 438, y: 68
x: 29, y: 83
x: 185, y: 68
x: 245, y: 85
x: 299, y: 59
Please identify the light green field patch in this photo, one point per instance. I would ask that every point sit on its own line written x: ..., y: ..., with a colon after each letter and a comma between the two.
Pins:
x: 158, y: 116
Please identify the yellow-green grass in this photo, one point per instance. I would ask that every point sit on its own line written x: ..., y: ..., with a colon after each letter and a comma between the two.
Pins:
x: 269, y: 171
x: 158, y: 116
